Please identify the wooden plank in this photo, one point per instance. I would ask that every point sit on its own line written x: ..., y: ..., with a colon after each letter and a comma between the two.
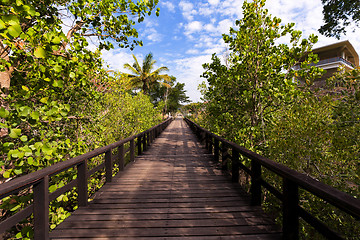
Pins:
x: 163, y: 232
x: 272, y: 236
x: 167, y: 200
x: 251, y: 217
x: 172, y: 191
x: 108, y: 224
x: 89, y: 210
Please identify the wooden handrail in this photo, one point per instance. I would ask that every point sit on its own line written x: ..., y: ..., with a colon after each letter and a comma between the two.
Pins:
x: 40, y: 179
x: 292, y: 180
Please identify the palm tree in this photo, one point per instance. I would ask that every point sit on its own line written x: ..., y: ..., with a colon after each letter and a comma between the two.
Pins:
x: 143, y: 77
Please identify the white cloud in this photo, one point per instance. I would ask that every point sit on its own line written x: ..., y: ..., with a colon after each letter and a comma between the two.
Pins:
x: 192, y: 51
x: 214, y: 2
x: 152, y: 35
x: 117, y: 58
x: 224, y: 26
x: 210, y: 27
x: 187, y: 10
x: 186, y: 6
x: 194, y: 26
x: 188, y: 71
x: 206, y: 11
x: 169, y: 5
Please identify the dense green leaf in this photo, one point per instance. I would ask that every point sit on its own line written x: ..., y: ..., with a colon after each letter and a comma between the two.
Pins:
x: 14, y: 30
x: 15, y: 133
x: 3, y: 112
x: 40, y: 52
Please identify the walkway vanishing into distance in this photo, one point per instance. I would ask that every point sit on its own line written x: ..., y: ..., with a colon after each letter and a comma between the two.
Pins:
x: 172, y: 191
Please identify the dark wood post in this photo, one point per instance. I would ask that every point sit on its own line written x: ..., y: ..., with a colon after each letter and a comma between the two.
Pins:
x: 290, y: 210
x: 82, y: 184
x: 139, y: 145
x: 216, y: 149
x: 148, y: 139
x: 211, y: 139
x: 108, y: 166
x: 255, y: 188
x: 224, y: 156
x: 206, y: 141
x: 144, y: 142
x: 121, y: 157
x: 41, y: 209
x: 235, y: 165
x: 132, y: 150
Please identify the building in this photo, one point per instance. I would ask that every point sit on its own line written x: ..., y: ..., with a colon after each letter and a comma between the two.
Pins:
x: 333, y: 56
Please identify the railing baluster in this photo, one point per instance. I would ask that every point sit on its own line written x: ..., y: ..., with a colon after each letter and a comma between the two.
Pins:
x: 210, y: 144
x: 290, y: 210
x: 216, y: 149
x: 148, y: 139
x: 255, y: 188
x: 82, y: 184
x: 108, y: 166
x: 121, y: 157
x: 235, y: 165
x: 144, y: 142
x: 139, y: 145
x: 41, y: 209
x: 206, y: 141
x: 132, y: 150
x: 224, y: 156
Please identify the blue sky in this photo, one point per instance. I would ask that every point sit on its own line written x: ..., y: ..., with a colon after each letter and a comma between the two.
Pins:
x: 188, y: 32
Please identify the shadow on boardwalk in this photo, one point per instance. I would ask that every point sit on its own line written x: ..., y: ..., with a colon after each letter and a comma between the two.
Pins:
x: 172, y: 191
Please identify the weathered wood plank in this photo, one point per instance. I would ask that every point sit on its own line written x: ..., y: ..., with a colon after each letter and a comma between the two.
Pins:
x: 273, y: 236
x: 172, y: 191
x: 163, y: 232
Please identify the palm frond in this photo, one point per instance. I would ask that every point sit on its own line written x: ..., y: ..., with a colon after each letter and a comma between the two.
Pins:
x: 136, y: 65
x: 131, y: 68
x: 148, y: 63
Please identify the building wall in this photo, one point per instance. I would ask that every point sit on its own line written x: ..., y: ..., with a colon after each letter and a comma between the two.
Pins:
x: 321, y: 82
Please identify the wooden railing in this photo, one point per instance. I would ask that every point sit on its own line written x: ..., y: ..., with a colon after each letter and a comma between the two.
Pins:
x: 292, y: 181
x: 39, y: 180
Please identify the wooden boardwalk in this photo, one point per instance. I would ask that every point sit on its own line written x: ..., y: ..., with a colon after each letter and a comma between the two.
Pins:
x: 172, y: 191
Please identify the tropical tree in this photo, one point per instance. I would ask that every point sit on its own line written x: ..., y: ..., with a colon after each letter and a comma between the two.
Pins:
x: 339, y: 14
x: 258, y: 79
x: 173, y: 97
x: 144, y: 77
x: 52, y: 83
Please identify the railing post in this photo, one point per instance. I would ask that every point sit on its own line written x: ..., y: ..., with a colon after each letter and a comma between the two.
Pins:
x: 108, y: 166
x: 41, y: 209
x: 224, y: 156
x: 210, y: 143
x: 139, y: 145
x: 290, y: 210
x: 144, y: 142
x: 255, y: 188
x: 121, y: 157
x: 216, y: 149
x: 132, y: 150
x: 235, y: 165
x: 206, y: 141
x: 148, y: 139
x: 82, y: 184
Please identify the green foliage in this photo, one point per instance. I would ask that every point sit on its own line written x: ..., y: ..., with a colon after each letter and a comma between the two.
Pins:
x: 172, y: 96
x: 253, y: 100
x: 60, y: 92
x: 339, y: 14
x: 258, y: 78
